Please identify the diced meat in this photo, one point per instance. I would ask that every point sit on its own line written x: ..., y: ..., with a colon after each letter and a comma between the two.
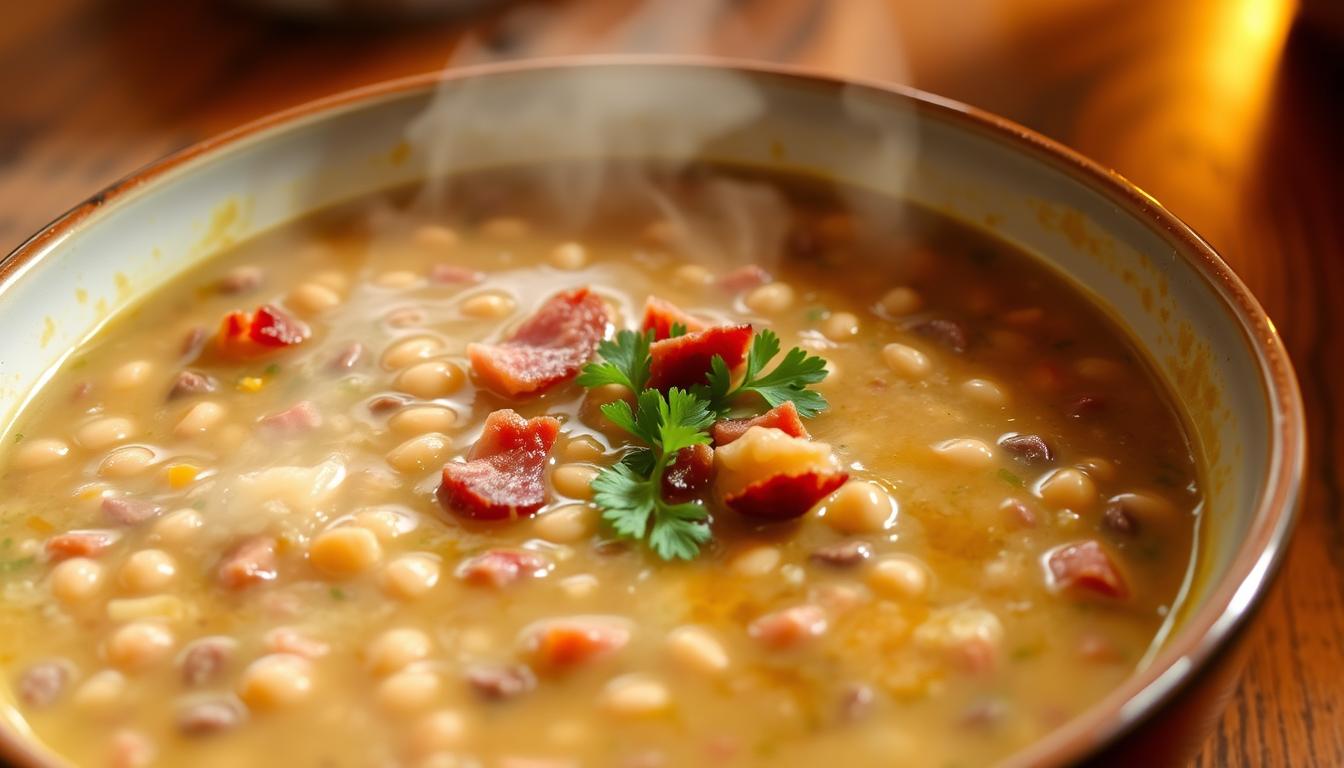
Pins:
x: 684, y: 361
x: 503, y: 474
x: 124, y: 511
x: 80, y: 391
x: 856, y: 702
x: 251, y: 562
x: 844, y: 554
x: 292, y: 641
x: 783, y: 417
x: 660, y: 315
x: 80, y: 544
x: 496, y: 683
x: 948, y: 333
x: 130, y: 749
x: 243, y: 335
x: 386, y: 403
x: 1097, y: 648
x: 204, y: 660
x: 1085, y: 567
x: 561, y: 644
x: 239, y: 280
x: 43, y: 683
x: 969, y: 637
x: 502, y: 567
x: 453, y: 274
x: 406, y: 317
x: 203, y: 718
x: 190, y: 383
x: 547, y: 348
x: 348, y: 357
x: 1016, y: 512
x: 690, y: 472
x: 1119, y: 520
x: 785, y: 497
x: 984, y: 713
x: 300, y: 417
x: 788, y: 628
x: 1029, y: 449
x: 192, y: 343
x: 744, y: 278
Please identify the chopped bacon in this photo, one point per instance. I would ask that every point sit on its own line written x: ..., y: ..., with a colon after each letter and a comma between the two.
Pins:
x: 1029, y: 449
x: 130, y: 511
x: 547, y: 348
x: 660, y: 315
x: 502, y: 567
x: 291, y: 640
x: 502, y: 477
x: 783, y: 417
x: 689, y: 473
x: 244, y: 335
x: 1086, y: 567
x: 249, y: 563
x: 80, y: 544
x: 190, y: 383
x: 788, y: 628
x: 499, y: 682
x: 744, y: 278
x: 43, y: 683
x: 453, y: 274
x: 784, y: 497
x: 205, y: 659
x: 302, y: 416
x: 684, y: 361
x: 240, y: 280
x: 560, y: 644
x: 949, y: 333
x: 349, y: 357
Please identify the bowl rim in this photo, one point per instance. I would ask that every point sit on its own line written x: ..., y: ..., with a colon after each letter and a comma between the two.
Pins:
x: 1231, y: 600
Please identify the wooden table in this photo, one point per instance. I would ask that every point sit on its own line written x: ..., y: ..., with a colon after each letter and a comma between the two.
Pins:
x: 1231, y: 113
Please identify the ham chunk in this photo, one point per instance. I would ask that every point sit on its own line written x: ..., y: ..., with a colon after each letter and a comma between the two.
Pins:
x: 744, y: 278
x: 547, y: 348
x: 246, y: 335
x: 190, y: 383
x: 124, y: 511
x: 661, y: 315
x: 684, y: 361
x: 249, y: 563
x: 689, y: 473
x: 557, y: 645
x: 502, y: 567
x: 783, y: 417
x: 300, y: 417
x: 768, y: 475
x: 968, y: 637
x: 788, y: 628
x: 1084, y: 567
x: 502, y: 477
x: 80, y: 544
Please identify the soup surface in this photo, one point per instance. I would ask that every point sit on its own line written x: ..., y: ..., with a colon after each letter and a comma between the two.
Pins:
x: 311, y: 534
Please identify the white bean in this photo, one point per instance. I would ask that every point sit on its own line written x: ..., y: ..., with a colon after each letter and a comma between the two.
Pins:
x: 569, y: 256
x: 900, y: 301
x: 566, y: 524
x: 130, y: 375
x: 906, y: 361
x: 312, y: 298
x: 1068, y: 488
x: 410, y: 351
x: 139, y: 645
x: 859, y: 506
x: 43, y: 452
x: 410, y: 576
x: 966, y: 452
x: 149, y: 570
x: 276, y: 681
x: 431, y: 379
x: 126, y: 462
x: 76, y: 580
x: 105, y: 432
x: 488, y: 306
x: 202, y: 417
x: 419, y: 453
x: 395, y: 649
x: 574, y: 480
x: 697, y: 649
x: 770, y: 299
x: 344, y: 552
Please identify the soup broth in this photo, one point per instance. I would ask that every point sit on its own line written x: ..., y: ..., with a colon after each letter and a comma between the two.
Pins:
x: 234, y: 541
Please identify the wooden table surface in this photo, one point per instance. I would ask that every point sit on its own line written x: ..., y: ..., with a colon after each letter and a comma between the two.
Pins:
x: 1231, y: 113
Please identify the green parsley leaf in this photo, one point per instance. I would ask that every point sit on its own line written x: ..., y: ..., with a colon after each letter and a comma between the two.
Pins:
x: 787, y: 382
x: 677, y: 329
x: 625, y: 361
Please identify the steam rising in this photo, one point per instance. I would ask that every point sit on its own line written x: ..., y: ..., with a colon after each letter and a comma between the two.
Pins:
x: 611, y: 121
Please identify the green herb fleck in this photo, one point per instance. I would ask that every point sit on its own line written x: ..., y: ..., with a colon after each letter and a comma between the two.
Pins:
x: 1010, y: 478
x: 18, y: 437
x: 338, y: 594
x: 787, y: 382
x: 10, y: 566
x: 272, y: 369
x: 815, y: 314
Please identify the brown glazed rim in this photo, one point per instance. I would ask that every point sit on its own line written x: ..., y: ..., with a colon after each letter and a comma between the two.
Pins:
x: 1232, y: 599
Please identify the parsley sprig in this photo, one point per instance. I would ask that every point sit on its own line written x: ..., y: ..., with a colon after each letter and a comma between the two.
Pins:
x: 630, y: 493
x: 788, y: 380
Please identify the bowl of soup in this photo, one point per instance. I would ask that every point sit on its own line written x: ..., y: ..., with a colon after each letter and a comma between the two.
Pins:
x: 631, y: 413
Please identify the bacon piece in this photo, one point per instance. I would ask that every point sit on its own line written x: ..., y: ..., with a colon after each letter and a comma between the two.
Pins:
x: 689, y: 473
x: 501, y: 567
x: 744, y: 278
x: 43, y: 683
x: 292, y: 641
x: 784, y: 497
x: 130, y: 511
x: 190, y: 383
x: 251, y: 562
x: 949, y: 333
x: 844, y: 554
x: 560, y: 644
x: 349, y: 357
x: 203, y: 718
x: 243, y: 335
x: 302, y: 416
x: 684, y: 361
x: 496, y: 683
x: 788, y: 628
x: 547, y: 348
x: 453, y: 274
x: 205, y: 659
x: 1030, y: 449
x: 240, y: 280
x: 660, y: 315
x: 783, y: 417
x: 502, y: 477
x: 1086, y: 567
x: 80, y: 544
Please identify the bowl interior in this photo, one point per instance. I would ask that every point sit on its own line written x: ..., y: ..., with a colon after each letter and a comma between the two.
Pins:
x: 1157, y: 279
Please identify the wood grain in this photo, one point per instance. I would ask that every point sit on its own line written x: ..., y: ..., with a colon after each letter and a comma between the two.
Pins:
x: 1227, y: 112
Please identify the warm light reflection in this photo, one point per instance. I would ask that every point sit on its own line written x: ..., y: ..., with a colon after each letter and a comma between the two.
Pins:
x: 1242, y: 47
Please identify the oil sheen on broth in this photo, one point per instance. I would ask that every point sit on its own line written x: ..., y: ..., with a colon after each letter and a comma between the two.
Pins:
x: 262, y: 574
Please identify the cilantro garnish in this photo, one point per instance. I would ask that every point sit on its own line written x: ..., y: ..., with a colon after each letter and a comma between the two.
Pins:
x: 788, y: 380
x: 630, y: 493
